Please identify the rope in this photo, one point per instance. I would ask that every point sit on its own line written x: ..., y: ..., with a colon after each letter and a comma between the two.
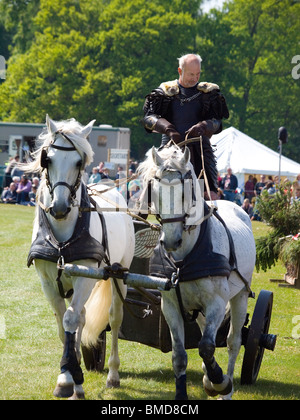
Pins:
x: 118, y: 208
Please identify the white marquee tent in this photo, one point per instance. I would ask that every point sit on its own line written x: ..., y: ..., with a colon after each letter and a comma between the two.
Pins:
x: 245, y: 155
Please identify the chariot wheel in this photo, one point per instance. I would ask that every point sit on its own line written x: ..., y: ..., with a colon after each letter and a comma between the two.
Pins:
x: 94, y: 357
x: 258, y: 338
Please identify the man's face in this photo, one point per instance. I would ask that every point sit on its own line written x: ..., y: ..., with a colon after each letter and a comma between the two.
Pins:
x: 190, y: 74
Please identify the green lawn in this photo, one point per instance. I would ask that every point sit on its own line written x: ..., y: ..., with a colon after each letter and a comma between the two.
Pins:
x: 30, y: 350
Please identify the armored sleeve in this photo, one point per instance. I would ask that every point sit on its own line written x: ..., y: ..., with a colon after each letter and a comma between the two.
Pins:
x: 153, y: 109
x: 216, y: 106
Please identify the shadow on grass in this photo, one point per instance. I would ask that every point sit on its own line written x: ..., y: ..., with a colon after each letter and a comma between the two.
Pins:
x: 270, y: 389
x: 165, y: 390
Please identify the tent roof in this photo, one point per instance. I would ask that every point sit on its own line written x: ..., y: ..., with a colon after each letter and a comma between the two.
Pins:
x: 243, y: 154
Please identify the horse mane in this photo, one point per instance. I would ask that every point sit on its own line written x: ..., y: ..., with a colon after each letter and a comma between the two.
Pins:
x: 72, y: 129
x: 171, y: 161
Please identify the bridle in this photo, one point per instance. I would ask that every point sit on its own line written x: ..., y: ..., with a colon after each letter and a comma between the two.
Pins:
x: 44, y: 163
x: 188, y: 176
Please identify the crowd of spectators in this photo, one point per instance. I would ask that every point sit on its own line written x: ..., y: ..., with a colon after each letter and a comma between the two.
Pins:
x: 18, y: 188
x: 228, y: 190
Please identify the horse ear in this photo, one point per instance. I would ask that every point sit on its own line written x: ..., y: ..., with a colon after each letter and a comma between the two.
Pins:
x: 50, y: 125
x: 88, y: 128
x: 186, y: 156
x: 156, y: 158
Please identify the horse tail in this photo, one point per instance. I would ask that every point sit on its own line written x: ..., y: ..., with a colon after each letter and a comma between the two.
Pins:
x: 97, y: 313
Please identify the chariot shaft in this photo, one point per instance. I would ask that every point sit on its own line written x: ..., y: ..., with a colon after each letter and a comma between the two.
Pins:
x: 130, y: 279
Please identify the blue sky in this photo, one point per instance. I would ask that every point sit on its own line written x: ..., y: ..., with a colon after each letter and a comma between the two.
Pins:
x: 209, y: 4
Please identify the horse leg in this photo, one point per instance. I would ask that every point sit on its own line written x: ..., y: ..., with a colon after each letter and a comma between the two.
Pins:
x: 238, y: 309
x: 115, y: 321
x: 214, y: 381
x: 70, y: 380
x: 175, y: 322
x: 46, y: 274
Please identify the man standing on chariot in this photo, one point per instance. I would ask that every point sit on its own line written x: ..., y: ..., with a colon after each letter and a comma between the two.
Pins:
x: 186, y: 108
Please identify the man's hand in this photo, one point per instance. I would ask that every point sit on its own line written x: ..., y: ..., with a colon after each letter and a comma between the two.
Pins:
x: 197, y: 130
x: 165, y: 127
x: 204, y: 128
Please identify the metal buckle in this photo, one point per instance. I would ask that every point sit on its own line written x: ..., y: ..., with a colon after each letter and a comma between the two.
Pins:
x: 61, y: 263
x: 175, y: 278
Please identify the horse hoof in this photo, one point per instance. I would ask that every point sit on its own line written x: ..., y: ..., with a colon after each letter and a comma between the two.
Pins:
x: 111, y: 383
x: 78, y: 393
x: 208, y: 387
x: 77, y: 396
x: 65, y: 391
x: 225, y: 387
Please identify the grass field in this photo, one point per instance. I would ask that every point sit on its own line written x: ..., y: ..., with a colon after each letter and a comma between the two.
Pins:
x: 30, y: 350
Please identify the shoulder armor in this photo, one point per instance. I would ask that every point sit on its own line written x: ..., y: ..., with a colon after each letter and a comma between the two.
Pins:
x: 207, y: 87
x: 170, y: 88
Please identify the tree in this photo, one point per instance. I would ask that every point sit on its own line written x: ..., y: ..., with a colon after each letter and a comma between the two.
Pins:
x: 15, y: 16
x: 97, y: 60
x: 250, y: 46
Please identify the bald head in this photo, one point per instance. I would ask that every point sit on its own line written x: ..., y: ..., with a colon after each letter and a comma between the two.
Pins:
x: 189, y: 70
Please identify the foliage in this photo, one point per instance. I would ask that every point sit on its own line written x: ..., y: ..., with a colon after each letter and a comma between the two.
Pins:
x: 290, y: 251
x: 249, y: 47
x: 98, y: 59
x: 284, y: 218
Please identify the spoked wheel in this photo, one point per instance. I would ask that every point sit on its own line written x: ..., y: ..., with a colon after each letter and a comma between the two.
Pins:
x: 258, y: 338
x: 94, y: 357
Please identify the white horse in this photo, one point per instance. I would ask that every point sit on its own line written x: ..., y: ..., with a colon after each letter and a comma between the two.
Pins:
x: 181, y: 215
x: 76, y: 234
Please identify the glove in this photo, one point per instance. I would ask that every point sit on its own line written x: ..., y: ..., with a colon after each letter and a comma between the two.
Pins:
x: 165, y: 127
x: 204, y: 128
x: 197, y: 130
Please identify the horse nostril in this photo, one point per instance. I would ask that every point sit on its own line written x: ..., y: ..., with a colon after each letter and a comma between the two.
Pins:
x: 179, y: 243
x: 59, y: 213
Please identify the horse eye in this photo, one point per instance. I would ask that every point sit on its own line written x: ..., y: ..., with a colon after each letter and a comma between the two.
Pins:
x: 79, y: 164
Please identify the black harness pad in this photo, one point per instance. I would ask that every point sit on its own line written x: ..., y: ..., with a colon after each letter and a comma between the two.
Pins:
x: 200, y: 262
x: 80, y: 246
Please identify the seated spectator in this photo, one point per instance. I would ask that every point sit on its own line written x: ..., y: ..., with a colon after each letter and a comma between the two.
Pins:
x: 35, y: 182
x: 9, y: 195
x: 16, y: 180
x: 134, y: 186
x: 256, y: 214
x: 270, y: 188
x: 247, y: 207
x: 32, y: 196
x: 23, y: 190
x: 95, y: 177
x: 296, y: 192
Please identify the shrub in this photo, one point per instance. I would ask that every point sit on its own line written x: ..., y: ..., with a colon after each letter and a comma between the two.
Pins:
x: 283, y: 216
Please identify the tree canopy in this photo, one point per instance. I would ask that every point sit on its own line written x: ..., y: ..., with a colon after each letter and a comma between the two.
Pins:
x: 98, y: 59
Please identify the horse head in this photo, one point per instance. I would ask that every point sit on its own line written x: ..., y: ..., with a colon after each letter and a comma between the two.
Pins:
x: 174, y: 193
x: 64, y: 160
